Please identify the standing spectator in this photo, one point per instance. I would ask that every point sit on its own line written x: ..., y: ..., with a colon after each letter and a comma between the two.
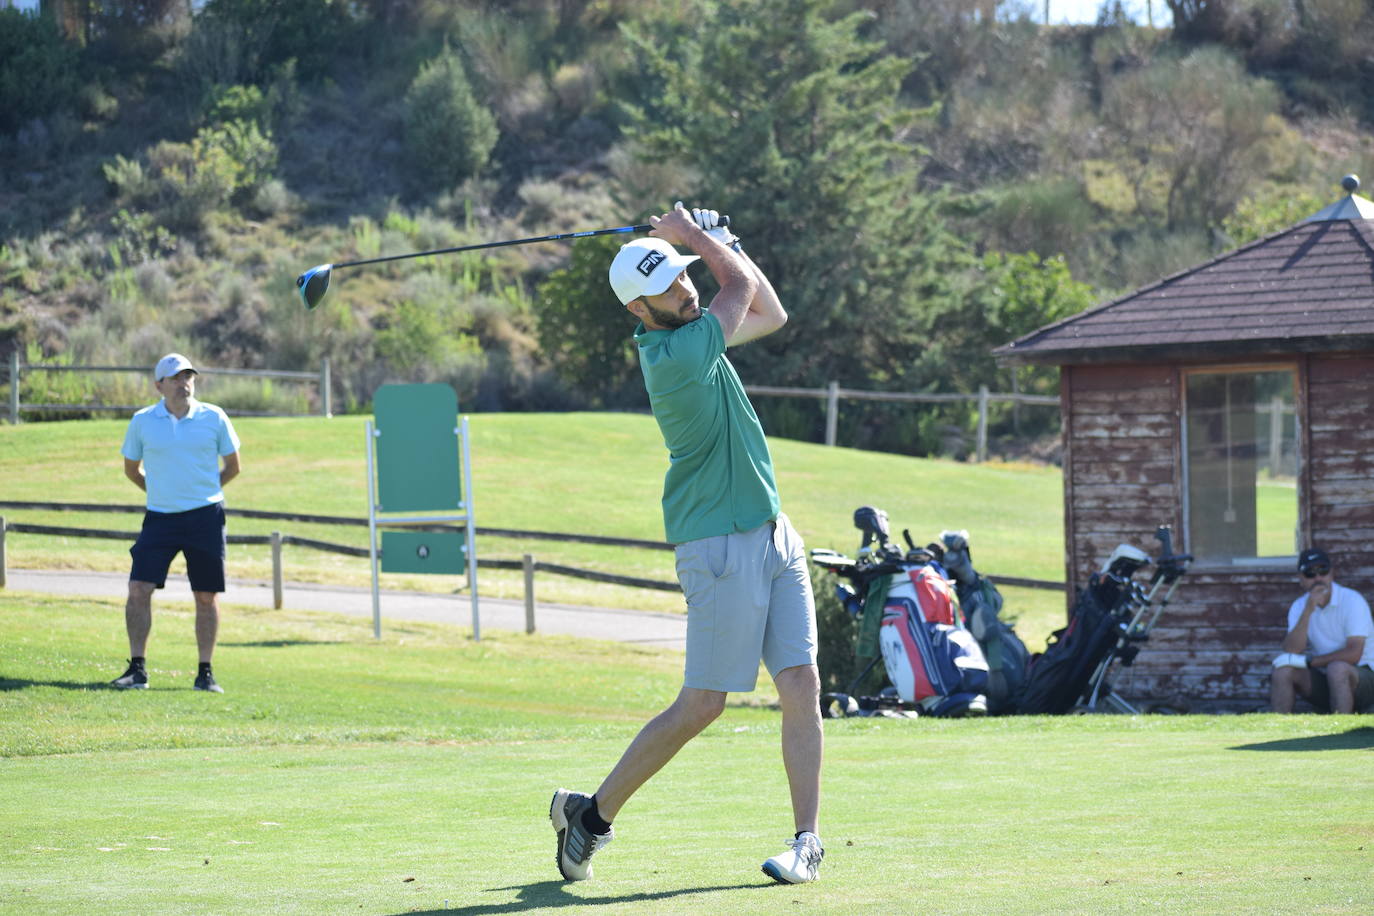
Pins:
x: 1328, y: 654
x: 180, y: 442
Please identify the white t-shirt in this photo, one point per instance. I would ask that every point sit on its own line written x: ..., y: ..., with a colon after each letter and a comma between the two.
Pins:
x: 1346, y: 615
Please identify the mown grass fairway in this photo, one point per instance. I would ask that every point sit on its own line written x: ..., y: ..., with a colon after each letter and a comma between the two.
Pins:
x: 338, y: 774
x: 577, y: 473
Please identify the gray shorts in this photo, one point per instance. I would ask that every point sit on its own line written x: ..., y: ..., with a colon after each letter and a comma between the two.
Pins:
x: 748, y: 597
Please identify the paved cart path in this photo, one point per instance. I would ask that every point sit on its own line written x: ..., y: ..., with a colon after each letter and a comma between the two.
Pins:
x: 642, y: 627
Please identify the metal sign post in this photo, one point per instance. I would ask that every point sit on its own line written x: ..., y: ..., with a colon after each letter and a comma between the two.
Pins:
x: 418, y: 461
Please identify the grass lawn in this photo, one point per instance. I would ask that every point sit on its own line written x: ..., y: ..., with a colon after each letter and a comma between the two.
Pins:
x: 577, y: 473
x: 340, y: 774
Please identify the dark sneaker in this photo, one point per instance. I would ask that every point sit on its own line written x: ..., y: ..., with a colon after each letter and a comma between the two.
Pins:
x: 135, y: 677
x: 800, y: 863
x: 576, y: 844
x: 206, y: 681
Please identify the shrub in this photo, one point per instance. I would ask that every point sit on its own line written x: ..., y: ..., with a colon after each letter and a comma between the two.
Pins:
x: 129, y: 182
x: 246, y: 104
x: 271, y: 198
x: 252, y: 151
x: 38, y: 69
x: 449, y: 133
x: 187, y: 181
x: 194, y: 180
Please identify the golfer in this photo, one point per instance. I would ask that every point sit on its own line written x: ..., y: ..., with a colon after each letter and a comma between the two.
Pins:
x: 179, y: 442
x: 741, y: 565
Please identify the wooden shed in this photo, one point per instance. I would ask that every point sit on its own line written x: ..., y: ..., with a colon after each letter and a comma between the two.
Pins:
x: 1235, y: 402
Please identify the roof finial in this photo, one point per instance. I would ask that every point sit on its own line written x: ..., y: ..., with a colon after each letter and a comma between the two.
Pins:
x: 1351, y: 182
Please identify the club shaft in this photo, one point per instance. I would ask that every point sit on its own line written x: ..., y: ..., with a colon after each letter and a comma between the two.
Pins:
x: 543, y: 238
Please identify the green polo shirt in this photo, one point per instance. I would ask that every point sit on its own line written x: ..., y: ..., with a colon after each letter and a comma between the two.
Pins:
x: 720, y: 474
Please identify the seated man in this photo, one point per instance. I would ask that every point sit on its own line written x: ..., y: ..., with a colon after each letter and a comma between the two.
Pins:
x: 1328, y: 654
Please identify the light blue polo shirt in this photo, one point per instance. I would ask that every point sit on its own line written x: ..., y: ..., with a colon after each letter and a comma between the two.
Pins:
x: 180, y: 457
x: 720, y: 473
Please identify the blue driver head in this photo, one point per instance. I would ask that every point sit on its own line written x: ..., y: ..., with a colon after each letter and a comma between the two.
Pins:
x: 313, y: 284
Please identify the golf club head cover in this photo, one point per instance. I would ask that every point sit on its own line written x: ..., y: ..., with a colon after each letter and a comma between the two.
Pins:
x: 873, y: 523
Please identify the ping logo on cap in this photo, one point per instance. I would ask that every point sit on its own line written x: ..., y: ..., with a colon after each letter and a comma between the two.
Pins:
x: 651, y: 261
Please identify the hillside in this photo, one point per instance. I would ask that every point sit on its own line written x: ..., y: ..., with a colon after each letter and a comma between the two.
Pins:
x: 923, y: 181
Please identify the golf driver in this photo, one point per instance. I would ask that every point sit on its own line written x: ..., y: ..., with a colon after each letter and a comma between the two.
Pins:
x: 314, y: 283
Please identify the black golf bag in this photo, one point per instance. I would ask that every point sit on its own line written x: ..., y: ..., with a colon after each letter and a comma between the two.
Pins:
x: 1111, y: 620
x: 981, y: 604
x: 908, y: 615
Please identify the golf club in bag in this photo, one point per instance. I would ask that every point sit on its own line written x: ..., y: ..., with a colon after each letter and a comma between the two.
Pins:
x: 908, y: 615
x: 1111, y: 620
x: 314, y: 283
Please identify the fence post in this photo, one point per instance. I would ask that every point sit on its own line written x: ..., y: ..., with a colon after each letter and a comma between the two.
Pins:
x: 832, y: 411
x: 14, y: 387
x: 2, y: 551
x: 276, y: 570
x: 1016, y: 404
x: 529, y: 593
x: 326, y: 394
x: 982, y: 423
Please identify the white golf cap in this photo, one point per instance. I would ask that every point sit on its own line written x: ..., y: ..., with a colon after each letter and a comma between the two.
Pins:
x: 170, y: 365
x: 646, y: 267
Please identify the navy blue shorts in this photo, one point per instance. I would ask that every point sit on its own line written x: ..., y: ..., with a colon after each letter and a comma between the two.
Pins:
x: 198, y: 534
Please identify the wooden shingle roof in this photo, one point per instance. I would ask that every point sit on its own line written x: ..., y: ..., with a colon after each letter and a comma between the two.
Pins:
x: 1305, y: 289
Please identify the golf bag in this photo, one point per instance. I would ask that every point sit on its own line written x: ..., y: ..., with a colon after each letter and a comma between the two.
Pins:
x: 1111, y: 619
x: 908, y: 615
x: 929, y: 659
x: 981, y: 604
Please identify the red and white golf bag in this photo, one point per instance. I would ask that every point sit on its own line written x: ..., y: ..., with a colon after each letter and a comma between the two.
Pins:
x: 930, y: 658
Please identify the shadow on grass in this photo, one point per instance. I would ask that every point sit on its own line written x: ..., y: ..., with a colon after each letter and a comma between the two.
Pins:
x: 555, y: 893
x: 19, y: 683
x: 1357, y: 739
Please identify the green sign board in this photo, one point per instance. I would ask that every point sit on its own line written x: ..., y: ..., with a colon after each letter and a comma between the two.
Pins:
x: 417, y: 448
x: 439, y: 552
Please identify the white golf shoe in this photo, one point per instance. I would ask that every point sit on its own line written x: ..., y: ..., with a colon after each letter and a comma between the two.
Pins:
x: 576, y: 845
x: 800, y: 863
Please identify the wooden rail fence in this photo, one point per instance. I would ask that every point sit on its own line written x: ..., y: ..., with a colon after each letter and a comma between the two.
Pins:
x: 17, y: 407
x: 277, y: 540
x: 832, y: 393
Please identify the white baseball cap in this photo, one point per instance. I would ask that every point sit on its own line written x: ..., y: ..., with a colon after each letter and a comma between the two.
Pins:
x: 646, y: 267
x: 170, y: 365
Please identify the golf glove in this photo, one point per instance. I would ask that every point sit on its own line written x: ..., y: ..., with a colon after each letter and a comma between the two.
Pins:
x: 709, y: 220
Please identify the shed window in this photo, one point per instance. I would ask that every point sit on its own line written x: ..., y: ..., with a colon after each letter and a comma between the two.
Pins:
x: 1242, y: 465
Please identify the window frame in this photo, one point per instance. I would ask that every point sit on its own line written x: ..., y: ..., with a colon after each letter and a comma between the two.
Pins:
x: 1295, y: 367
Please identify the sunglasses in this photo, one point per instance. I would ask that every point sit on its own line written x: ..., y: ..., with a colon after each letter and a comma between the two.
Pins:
x: 1312, y: 572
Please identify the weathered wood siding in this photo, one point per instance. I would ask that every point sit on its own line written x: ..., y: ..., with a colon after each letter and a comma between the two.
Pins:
x: 1341, y: 464
x: 1122, y: 476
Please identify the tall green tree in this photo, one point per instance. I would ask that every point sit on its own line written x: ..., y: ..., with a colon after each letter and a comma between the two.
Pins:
x: 450, y: 133
x: 786, y: 115
x: 38, y: 69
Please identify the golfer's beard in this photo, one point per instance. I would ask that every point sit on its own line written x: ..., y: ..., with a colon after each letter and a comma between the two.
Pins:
x: 666, y: 319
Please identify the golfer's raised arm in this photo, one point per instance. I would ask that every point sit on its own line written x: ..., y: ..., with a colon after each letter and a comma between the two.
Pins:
x: 738, y: 284
x: 765, y: 314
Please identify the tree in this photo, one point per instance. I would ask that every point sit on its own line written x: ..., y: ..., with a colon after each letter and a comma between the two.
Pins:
x: 449, y: 133
x: 584, y: 331
x: 1198, y: 125
x: 787, y: 117
x: 37, y: 69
